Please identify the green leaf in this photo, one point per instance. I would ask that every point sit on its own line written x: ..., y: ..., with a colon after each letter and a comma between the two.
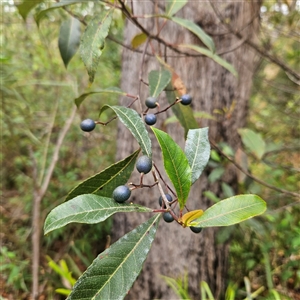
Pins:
x: 253, y: 141
x: 26, y: 6
x: 173, y: 6
x: 132, y: 120
x: 211, y: 196
x: 113, y: 272
x: 183, y: 113
x: 176, y: 165
x: 69, y: 39
x: 231, y: 211
x: 60, y: 4
x: 104, y: 183
x: 197, y: 151
x: 112, y: 90
x: 93, y: 39
x: 227, y: 190
x: 138, y: 40
x: 63, y: 291
x: 213, y: 56
x: 158, y: 80
x: 88, y: 209
x: 197, y: 30
x: 216, y: 174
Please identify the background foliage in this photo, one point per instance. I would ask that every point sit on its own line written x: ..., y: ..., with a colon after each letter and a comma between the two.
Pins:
x: 38, y: 94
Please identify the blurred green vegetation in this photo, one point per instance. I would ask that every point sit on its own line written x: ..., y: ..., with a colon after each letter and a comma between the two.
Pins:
x: 38, y: 94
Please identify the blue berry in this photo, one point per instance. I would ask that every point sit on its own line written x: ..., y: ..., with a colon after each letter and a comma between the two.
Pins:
x: 151, y: 102
x: 196, y: 229
x: 150, y: 119
x: 88, y: 125
x: 121, y: 193
x: 186, y: 99
x: 144, y: 164
x: 168, y: 217
x: 160, y: 200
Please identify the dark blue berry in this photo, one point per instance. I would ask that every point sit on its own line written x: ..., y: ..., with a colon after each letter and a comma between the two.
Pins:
x: 150, y: 119
x: 121, y: 193
x: 196, y: 229
x: 88, y: 125
x: 160, y: 199
x: 168, y: 217
x: 186, y: 99
x: 151, y: 102
x: 144, y: 164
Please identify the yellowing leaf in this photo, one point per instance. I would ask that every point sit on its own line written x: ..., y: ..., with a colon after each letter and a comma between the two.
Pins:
x: 138, y: 40
x: 190, y: 216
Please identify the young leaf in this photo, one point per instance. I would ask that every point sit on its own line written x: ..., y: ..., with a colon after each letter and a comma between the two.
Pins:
x: 113, y: 272
x: 138, y: 40
x: 214, y: 57
x: 26, y: 6
x: 173, y: 6
x: 158, y: 80
x: 93, y: 39
x: 253, y: 141
x: 197, y: 30
x: 111, y: 90
x: 104, y: 183
x: 69, y: 38
x: 183, y: 113
x: 231, y: 211
x: 40, y: 15
x: 88, y: 209
x: 197, y: 151
x: 176, y: 165
x: 132, y: 120
x: 190, y: 216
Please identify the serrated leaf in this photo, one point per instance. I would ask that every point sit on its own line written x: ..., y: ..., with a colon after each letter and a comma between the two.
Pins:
x: 104, y: 183
x: 88, y: 209
x: 213, y: 56
x: 93, y: 40
x: 231, y: 211
x: 190, y: 216
x: 132, y: 120
x: 183, y: 113
x: 253, y: 141
x: 113, y: 272
x: 26, y: 6
x: 172, y: 7
x: 41, y: 14
x: 158, y: 80
x: 197, y: 30
x: 138, y: 40
x: 197, y: 151
x: 112, y: 90
x: 69, y: 39
x: 176, y: 165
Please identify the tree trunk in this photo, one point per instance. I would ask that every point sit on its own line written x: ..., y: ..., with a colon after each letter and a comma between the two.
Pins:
x: 176, y: 250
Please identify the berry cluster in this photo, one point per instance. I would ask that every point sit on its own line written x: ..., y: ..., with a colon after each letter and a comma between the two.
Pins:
x: 144, y: 163
x: 151, y: 102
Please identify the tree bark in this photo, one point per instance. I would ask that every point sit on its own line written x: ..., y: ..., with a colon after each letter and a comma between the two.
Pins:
x: 176, y: 250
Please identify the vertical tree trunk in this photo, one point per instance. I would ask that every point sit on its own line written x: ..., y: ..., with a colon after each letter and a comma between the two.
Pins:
x: 177, y: 250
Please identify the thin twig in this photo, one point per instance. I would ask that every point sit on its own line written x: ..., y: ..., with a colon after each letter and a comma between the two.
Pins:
x: 294, y: 194
x: 256, y: 47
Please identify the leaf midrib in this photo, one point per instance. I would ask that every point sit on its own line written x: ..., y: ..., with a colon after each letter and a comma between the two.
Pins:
x: 236, y: 210
x: 137, y: 131
x: 126, y: 257
x: 96, y: 37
